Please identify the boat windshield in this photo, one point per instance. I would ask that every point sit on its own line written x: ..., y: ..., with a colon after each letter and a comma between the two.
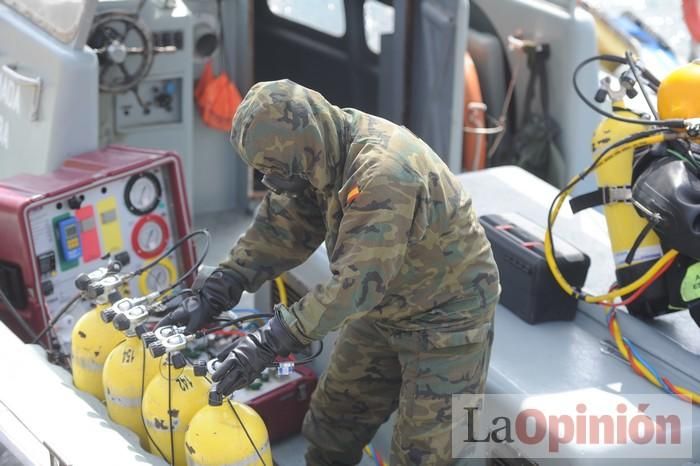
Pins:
x: 60, y: 18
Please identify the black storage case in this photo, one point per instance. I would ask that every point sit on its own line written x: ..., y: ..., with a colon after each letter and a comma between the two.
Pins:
x: 528, y: 286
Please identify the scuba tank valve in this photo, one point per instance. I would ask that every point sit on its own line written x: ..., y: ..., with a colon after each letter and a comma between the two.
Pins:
x: 167, y: 339
x: 124, y: 304
x: 101, y: 283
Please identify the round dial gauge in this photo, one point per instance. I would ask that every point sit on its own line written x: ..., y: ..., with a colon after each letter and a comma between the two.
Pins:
x: 158, y: 277
x: 142, y: 193
x: 150, y: 235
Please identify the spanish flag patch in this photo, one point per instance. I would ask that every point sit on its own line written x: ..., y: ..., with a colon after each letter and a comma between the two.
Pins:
x: 354, y: 192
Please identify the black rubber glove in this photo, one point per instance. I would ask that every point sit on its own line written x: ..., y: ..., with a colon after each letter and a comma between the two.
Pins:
x: 253, y: 353
x: 220, y: 292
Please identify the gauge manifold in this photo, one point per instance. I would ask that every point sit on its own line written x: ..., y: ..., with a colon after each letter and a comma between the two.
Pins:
x: 142, y: 193
x: 150, y: 236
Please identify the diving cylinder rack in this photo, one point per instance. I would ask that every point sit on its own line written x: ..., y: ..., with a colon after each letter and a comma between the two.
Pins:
x: 92, y: 340
x: 634, y: 246
x: 127, y: 371
x: 173, y: 396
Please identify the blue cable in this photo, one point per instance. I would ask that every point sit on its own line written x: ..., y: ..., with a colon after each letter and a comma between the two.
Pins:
x: 374, y: 454
x: 636, y: 354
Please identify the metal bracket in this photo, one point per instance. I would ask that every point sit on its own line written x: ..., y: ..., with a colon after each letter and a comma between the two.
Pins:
x: 652, y: 217
x: 613, y: 194
x: 692, y: 126
x: 609, y: 348
x: 615, y: 94
x: 25, y: 81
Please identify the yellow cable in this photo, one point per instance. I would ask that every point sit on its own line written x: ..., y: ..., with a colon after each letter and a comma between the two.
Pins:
x: 282, y: 290
x: 609, y: 297
x: 632, y: 287
x: 369, y: 453
x: 646, y: 141
x: 622, y: 348
x: 693, y: 397
x: 617, y: 333
x: 561, y: 198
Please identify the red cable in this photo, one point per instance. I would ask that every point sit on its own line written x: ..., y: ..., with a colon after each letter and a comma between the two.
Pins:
x: 631, y: 359
x: 379, y: 457
x: 633, y: 362
x: 633, y: 297
x: 672, y: 387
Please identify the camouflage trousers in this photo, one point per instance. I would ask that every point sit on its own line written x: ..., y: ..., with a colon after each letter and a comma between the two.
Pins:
x: 376, y: 369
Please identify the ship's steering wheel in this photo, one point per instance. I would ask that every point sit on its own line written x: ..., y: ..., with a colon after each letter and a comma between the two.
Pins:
x: 116, y: 37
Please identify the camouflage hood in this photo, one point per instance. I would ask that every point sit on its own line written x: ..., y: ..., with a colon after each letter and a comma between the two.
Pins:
x: 285, y: 129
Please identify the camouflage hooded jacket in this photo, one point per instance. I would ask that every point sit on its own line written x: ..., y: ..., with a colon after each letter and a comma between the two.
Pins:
x: 400, y: 232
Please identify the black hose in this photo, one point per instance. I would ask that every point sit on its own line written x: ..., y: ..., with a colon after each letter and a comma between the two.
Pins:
x: 143, y: 418
x: 674, y: 123
x: 245, y: 430
x: 17, y: 316
x: 305, y: 360
x: 195, y: 266
x: 240, y: 421
x: 170, y: 410
x: 633, y: 68
x: 170, y: 250
x: 173, y: 296
x: 230, y: 322
x: 66, y: 307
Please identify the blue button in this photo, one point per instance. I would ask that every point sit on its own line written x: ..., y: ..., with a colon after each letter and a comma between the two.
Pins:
x: 170, y: 87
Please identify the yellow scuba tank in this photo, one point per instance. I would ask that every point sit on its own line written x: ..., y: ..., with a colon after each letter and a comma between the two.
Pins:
x: 216, y: 436
x: 91, y: 342
x: 172, y: 397
x: 625, y: 226
x: 127, y: 371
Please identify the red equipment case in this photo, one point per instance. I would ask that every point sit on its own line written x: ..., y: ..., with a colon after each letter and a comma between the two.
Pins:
x: 283, y: 408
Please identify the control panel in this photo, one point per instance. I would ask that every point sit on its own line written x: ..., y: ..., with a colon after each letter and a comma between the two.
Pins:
x: 154, y: 102
x: 170, y: 40
x: 127, y: 218
x: 122, y: 203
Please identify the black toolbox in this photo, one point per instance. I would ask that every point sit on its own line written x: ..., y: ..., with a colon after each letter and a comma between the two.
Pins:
x: 528, y: 286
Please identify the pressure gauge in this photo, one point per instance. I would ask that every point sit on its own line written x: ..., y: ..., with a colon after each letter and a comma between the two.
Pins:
x: 142, y: 193
x: 149, y: 236
x: 158, y: 277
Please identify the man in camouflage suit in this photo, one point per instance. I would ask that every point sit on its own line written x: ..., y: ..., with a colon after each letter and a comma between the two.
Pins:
x: 413, y: 287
